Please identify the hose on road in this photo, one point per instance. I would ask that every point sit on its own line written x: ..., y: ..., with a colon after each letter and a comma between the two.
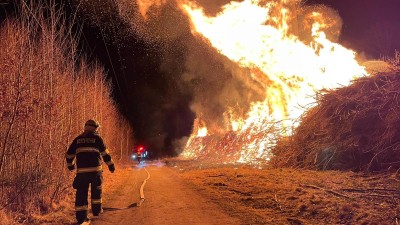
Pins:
x: 142, y: 198
x: 136, y: 204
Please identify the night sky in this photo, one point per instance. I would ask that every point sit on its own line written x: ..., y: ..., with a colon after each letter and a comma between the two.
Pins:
x: 363, y: 19
x: 148, y: 61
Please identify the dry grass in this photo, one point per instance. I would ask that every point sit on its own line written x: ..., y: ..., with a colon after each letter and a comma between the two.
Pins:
x: 5, y: 218
x: 351, y: 128
x: 289, y: 196
x: 47, y: 92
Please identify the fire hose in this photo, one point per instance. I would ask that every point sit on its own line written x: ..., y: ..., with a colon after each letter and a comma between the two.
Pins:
x: 142, y: 187
x: 136, y: 204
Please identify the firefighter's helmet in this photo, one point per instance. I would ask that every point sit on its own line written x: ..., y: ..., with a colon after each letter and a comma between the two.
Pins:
x: 91, y: 125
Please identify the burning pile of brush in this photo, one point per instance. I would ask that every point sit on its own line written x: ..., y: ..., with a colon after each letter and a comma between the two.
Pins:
x: 351, y: 128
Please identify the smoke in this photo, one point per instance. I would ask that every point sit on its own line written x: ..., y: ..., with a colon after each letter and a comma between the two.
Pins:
x: 193, y: 79
x: 196, y: 74
x: 213, y: 81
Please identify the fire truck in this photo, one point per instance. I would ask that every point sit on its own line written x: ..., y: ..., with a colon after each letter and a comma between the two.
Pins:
x: 139, y: 153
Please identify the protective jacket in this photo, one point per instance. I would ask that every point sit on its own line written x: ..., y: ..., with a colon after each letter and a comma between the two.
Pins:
x: 86, y: 153
x: 88, y: 149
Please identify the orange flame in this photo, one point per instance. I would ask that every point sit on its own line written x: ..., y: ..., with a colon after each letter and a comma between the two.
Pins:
x: 290, y: 70
x: 145, y: 5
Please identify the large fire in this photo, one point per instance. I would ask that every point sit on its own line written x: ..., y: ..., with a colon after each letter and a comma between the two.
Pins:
x: 257, y: 35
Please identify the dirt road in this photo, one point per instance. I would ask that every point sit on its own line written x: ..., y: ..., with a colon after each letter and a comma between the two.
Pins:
x: 168, y: 200
x: 195, y: 192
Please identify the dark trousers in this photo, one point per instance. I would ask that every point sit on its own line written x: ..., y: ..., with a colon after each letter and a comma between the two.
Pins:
x: 81, y: 184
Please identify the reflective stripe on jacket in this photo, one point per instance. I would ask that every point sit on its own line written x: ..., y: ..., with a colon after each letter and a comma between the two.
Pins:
x: 86, y: 153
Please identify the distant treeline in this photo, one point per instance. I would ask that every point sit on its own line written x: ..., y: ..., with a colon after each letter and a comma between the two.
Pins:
x: 47, y: 92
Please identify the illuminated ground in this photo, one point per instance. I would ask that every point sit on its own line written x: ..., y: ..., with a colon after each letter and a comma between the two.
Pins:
x: 168, y: 200
x: 185, y: 192
x: 288, y: 196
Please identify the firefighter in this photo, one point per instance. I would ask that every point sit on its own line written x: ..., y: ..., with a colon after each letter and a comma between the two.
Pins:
x: 86, y: 153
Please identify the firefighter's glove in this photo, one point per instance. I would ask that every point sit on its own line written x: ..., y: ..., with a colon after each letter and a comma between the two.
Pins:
x: 71, y: 168
x: 111, y: 168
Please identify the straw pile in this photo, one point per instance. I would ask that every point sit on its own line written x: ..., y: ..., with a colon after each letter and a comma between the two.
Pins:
x: 352, y: 128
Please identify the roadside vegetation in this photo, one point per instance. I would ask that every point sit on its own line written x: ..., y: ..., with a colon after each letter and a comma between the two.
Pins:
x: 47, y: 91
x: 296, y: 196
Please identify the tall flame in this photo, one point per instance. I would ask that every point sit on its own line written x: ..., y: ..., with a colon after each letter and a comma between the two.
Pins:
x: 290, y: 70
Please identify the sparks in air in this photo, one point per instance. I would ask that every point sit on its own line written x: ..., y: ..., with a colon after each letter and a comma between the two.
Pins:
x: 258, y: 37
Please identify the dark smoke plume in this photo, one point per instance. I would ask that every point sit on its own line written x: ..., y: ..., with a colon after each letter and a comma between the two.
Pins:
x: 173, y: 76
